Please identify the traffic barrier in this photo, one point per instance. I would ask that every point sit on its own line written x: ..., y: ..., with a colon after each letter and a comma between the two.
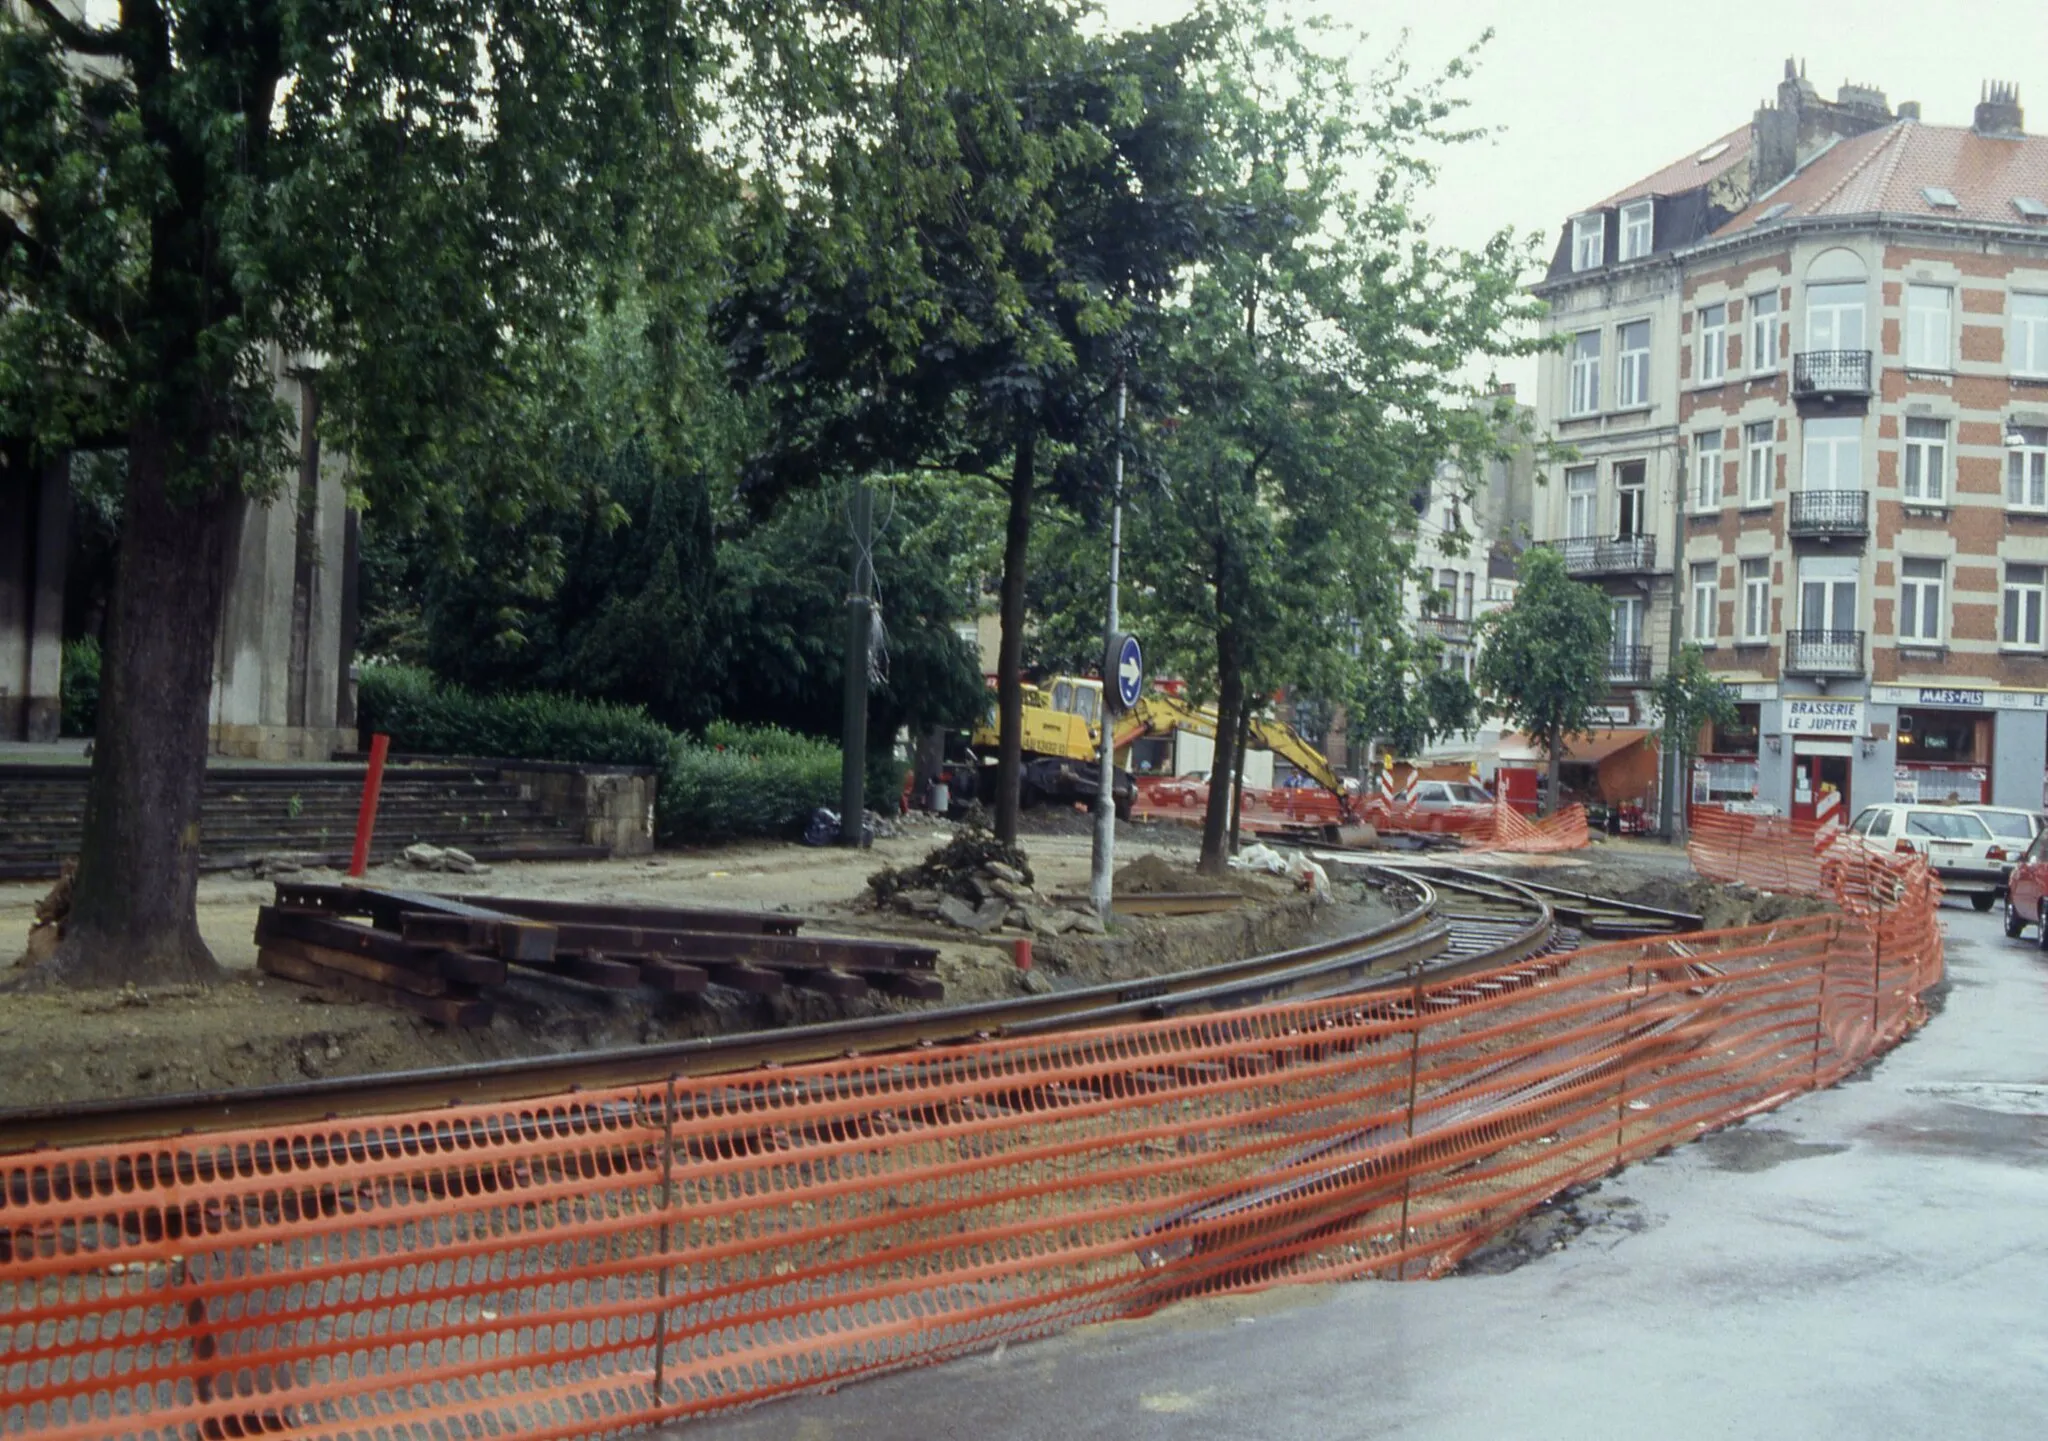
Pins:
x: 603, y: 1260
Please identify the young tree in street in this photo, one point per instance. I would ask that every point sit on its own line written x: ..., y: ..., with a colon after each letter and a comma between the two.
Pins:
x: 1543, y: 660
x: 964, y: 273
x: 410, y: 201
x: 1314, y: 378
x: 1688, y: 696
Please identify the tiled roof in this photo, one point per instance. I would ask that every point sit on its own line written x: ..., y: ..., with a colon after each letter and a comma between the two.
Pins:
x: 1890, y: 171
x: 1688, y: 172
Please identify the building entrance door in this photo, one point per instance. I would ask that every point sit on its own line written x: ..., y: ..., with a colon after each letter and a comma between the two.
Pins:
x: 1814, y: 776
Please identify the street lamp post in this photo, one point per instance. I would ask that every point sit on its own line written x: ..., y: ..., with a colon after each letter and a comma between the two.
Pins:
x: 1102, y: 858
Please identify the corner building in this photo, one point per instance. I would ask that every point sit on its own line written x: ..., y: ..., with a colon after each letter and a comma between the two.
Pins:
x: 1860, y: 355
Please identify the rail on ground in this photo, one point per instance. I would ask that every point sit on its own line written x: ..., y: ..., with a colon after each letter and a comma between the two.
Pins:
x: 603, y: 1259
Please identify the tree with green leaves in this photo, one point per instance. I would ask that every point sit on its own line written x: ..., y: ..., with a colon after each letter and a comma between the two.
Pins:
x: 1688, y: 697
x: 953, y: 285
x: 1543, y: 659
x: 411, y: 203
x: 1314, y: 379
x: 1406, y: 698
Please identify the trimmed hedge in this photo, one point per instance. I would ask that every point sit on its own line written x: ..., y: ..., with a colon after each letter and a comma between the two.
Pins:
x: 735, y: 782
x: 425, y: 717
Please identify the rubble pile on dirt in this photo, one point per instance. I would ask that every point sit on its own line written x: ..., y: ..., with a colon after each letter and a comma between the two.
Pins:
x: 1719, y: 907
x: 977, y: 883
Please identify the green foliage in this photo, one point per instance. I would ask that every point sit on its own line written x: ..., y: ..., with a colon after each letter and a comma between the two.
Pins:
x: 1543, y: 660
x: 81, y: 687
x: 745, y: 781
x: 428, y: 717
x: 1689, y: 696
x: 1406, y: 699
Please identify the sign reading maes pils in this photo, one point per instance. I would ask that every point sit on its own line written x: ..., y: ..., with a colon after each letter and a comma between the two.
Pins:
x: 1823, y: 717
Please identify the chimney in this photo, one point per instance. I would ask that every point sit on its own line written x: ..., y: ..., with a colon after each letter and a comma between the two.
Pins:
x: 1998, y: 111
x: 1909, y: 110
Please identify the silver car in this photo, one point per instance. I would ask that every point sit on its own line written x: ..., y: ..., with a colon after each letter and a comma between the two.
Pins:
x: 2014, y: 828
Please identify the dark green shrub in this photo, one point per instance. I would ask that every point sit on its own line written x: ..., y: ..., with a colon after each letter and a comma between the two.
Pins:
x: 744, y: 781
x: 425, y: 717
x: 80, y: 712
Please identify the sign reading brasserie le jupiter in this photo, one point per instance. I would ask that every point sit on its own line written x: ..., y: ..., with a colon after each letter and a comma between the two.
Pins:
x: 1823, y: 717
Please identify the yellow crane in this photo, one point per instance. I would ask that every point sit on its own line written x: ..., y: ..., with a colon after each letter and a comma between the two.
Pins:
x: 1161, y: 714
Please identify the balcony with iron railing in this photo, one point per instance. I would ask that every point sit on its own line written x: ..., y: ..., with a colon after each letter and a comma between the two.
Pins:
x: 1824, y: 652
x: 1446, y: 627
x: 1628, y: 665
x: 1623, y: 555
x: 1828, y: 514
x: 1831, y: 374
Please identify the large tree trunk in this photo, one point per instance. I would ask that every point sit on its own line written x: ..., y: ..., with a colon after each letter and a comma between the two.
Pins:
x: 1010, y: 653
x: 134, y: 909
x: 1216, y: 820
x: 1552, y: 744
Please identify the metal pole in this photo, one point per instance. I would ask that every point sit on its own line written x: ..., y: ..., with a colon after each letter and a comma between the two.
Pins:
x: 859, y: 630
x: 1102, y: 858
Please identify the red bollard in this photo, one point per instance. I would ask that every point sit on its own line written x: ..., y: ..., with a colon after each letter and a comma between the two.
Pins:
x: 366, y: 817
x: 1022, y: 949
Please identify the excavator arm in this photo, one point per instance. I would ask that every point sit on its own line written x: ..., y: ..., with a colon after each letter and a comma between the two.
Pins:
x: 1162, y: 713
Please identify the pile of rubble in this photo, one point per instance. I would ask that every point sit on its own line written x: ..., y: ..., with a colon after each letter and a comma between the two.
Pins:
x: 978, y: 884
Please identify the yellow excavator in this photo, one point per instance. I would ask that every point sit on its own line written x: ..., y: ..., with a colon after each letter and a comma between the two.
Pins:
x: 1062, y: 736
x: 1161, y: 714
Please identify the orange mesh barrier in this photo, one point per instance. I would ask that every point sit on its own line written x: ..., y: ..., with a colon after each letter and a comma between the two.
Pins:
x: 607, y: 1259
x: 1280, y: 808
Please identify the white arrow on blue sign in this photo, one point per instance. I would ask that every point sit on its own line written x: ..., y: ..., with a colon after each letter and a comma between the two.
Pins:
x: 1130, y: 671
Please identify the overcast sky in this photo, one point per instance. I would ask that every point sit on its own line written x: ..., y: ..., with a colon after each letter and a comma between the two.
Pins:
x: 1588, y: 95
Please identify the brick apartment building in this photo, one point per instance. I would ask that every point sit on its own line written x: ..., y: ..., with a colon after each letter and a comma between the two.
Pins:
x: 1847, y: 357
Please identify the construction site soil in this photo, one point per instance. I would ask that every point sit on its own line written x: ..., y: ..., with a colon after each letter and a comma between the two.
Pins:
x: 254, y: 1029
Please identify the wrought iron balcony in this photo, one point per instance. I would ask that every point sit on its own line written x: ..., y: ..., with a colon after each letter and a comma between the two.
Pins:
x: 1824, y: 652
x: 1447, y: 627
x: 1627, y: 555
x: 1828, y: 514
x: 1628, y: 665
x: 1830, y: 373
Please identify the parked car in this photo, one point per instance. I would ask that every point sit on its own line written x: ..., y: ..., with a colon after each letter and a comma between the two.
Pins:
x: 2014, y: 828
x: 1450, y: 796
x: 1970, y: 860
x: 2026, y: 893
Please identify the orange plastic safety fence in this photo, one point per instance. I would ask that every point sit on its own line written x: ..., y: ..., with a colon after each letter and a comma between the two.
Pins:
x: 1279, y: 808
x: 605, y: 1260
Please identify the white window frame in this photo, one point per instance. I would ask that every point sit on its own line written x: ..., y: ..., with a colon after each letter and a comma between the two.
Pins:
x: 1582, y: 502
x: 1706, y: 602
x: 1923, y: 465
x: 1830, y: 300
x: 1832, y: 445
x: 1830, y: 580
x: 1631, y: 367
x: 1763, y: 332
x: 1755, y: 573
x: 1920, y: 593
x: 1712, y: 325
x: 2026, y: 471
x: 1589, y: 241
x: 1638, y: 229
x: 1759, y: 462
x: 2027, y: 335
x: 1707, y: 472
x: 1585, y: 373
x: 1929, y: 327
x: 2021, y: 604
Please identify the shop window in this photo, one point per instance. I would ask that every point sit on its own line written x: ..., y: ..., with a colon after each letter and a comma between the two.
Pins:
x: 1739, y: 736
x: 1938, y: 736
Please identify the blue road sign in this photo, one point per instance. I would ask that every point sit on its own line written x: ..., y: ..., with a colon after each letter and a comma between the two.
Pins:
x: 1130, y: 671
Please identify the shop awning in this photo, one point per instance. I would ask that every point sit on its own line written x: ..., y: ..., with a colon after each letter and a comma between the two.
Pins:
x: 1582, y: 750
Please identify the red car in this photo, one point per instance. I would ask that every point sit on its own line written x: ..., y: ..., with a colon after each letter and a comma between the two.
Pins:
x: 2026, y: 893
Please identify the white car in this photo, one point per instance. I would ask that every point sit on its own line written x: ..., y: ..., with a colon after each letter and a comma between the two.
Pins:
x: 1450, y: 795
x: 1961, y: 848
x: 2014, y: 828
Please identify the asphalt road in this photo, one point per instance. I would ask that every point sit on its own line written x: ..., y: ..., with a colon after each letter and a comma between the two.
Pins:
x: 1868, y: 1262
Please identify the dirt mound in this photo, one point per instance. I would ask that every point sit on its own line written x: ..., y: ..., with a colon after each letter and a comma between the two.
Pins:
x: 1157, y: 876
x: 953, y: 868
x: 1719, y: 907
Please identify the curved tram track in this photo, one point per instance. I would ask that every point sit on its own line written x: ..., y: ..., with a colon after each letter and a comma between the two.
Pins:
x: 1458, y: 921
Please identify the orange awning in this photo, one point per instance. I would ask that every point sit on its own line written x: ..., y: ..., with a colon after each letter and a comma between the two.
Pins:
x: 1580, y: 750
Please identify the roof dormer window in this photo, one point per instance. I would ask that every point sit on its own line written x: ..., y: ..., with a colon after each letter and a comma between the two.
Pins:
x: 1589, y: 241
x: 1638, y: 219
x: 1940, y: 197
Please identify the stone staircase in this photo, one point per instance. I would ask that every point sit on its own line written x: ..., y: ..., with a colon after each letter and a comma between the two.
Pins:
x: 305, y: 812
